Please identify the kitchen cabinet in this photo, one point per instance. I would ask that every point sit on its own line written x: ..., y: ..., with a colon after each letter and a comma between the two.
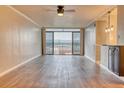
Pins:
x: 112, y: 57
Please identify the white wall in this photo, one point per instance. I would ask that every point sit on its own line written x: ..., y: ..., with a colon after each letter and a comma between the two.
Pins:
x: 90, y: 41
x: 20, y: 39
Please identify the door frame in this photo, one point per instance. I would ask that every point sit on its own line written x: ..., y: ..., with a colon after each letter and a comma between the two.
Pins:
x: 53, y: 42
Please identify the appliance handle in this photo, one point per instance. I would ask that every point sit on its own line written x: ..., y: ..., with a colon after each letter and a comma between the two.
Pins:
x: 108, y: 56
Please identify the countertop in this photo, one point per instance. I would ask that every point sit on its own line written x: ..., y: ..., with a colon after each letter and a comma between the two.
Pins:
x: 112, y: 45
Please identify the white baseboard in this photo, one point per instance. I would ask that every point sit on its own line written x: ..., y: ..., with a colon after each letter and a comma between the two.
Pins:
x: 89, y: 58
x: 111, y: 72
x: 102, y: 66
x: 17, y: 66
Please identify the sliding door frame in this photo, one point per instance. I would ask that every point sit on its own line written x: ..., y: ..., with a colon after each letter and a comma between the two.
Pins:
x: 72, y: 32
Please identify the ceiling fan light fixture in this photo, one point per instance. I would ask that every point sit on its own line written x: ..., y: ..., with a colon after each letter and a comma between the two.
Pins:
x: 60, y: 11
x: 60, y: 14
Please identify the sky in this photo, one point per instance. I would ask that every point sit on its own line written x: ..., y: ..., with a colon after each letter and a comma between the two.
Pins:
x: 63, y: 35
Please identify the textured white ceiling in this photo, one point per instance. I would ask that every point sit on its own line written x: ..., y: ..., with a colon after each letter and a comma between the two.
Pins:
x: 83, y: 15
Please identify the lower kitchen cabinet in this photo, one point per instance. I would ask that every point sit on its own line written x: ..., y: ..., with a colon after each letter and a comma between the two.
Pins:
x: 112, y: 57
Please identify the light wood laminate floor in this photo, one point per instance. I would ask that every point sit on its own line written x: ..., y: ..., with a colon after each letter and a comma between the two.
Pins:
x: 60, y: 72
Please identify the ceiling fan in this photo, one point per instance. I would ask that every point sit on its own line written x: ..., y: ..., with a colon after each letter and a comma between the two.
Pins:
x: 60, y: 10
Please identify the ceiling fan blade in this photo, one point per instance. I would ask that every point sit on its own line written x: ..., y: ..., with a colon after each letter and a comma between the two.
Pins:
x: 49, y: 10
x: 71, y: 10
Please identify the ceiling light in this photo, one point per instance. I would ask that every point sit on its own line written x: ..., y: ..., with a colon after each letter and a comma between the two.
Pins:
x: 106, y: 30
x: 60, y: 14
x: 112, y: 28
x: 109, y: 28
x: 60, y: 10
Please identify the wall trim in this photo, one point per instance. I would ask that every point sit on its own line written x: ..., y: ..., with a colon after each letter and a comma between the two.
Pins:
x: 105, y: 68
x: 111, y: 72
x: 22, y: 14
x: 17, y: 66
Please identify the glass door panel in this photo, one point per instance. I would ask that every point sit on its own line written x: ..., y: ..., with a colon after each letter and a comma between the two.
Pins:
x: 49, y: 42
x: 63, y: 43
x: 76, y: 42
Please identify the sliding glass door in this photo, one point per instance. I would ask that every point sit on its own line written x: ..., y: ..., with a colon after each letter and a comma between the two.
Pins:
x: 49, y: 43
x: 76, y: 42
x: 63, y: 43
